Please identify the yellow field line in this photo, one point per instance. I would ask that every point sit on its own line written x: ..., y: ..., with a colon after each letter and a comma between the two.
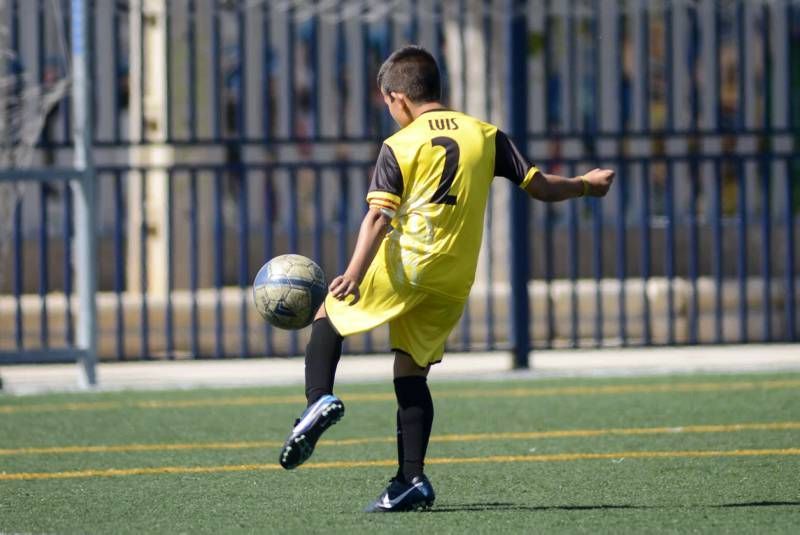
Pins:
x: 452, y: 394
x: 556, y: 457
x: 475, y: 437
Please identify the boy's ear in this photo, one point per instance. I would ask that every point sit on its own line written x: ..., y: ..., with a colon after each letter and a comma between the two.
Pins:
x: 395, y: 95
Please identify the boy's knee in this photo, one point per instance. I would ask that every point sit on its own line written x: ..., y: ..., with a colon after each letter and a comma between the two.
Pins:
x: 404, y: 366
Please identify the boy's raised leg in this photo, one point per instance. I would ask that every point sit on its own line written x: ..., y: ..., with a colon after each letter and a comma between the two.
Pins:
x: 324, y: 409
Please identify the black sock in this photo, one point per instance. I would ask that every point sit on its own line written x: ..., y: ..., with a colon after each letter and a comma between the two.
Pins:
x: 416, y: 419
x: 322, y: 356
x: 399, y: 448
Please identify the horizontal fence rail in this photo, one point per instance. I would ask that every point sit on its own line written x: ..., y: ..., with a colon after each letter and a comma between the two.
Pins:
x: 226, y: 133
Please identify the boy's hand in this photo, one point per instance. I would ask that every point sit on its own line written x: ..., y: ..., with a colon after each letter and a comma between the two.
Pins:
x: 345, y: 285
x: 599, y: 181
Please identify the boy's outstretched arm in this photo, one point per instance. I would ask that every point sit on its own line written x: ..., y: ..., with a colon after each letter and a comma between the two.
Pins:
x: 373, y: 229
x: 553, y: 188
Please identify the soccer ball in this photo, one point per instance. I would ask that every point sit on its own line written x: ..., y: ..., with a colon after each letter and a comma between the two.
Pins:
x: 288, y: 290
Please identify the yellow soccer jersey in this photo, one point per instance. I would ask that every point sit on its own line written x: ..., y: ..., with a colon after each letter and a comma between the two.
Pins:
x: 432, y: 178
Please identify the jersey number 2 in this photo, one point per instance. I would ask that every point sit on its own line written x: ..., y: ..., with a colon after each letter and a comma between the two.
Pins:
x: 451, y: 156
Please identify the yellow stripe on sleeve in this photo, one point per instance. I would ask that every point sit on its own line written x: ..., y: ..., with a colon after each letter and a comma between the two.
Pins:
x: 382, y: 204
x: 392, y: 201
x: 529, y: 177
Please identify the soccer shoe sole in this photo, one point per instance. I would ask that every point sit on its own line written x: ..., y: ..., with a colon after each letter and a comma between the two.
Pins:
x: 300, y: 445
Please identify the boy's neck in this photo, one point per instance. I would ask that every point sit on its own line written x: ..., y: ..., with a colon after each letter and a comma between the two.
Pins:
x: 416, y: 111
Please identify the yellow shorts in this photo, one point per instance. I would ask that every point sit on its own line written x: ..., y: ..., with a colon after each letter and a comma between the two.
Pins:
x: 419, y: 321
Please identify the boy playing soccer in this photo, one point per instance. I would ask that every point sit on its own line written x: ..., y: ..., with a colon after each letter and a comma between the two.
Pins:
x: 415, y: 259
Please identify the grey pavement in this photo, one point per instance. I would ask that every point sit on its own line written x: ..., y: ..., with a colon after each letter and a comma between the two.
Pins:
x: 31, y: 379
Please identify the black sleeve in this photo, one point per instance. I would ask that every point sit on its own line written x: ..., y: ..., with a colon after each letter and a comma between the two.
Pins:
x: 508, y: 161
x: 387, y: 175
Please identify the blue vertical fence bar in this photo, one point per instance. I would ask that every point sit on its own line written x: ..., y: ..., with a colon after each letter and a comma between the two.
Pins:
x: 19, y: 338
x: 622, y: 255
x: 716, y: 258
x: 789, y: 276
x: 669, y: 192
x: 143, y: 279
x: 342, y: 66
x: 219, y: 265
x: 288, y: 71
x: 694, y: 172
x: 194, y: 242
x: 791, y: 331
x: 241, y: 66
x: 741, y: 170
x: 292, y: 229
x: 244, y: 259
x: 742, y: 256
x: 268, y: 243
x: 645, y: 251
x: 65, y: 103
x: 216, y: 73
x: 363, y: 27
x: 191, y: 67
x: 596, y: 205
x: 551, y: 107
x: 44, y: 271
x: 766, y: 249
x: 115, y: 54
x: 91, y: 64
x: 319, y: 184
x: 141, y: 118
x: 597, y: 268
x: 519, y: 210
x: 384, y: 49
x: 669, y: 253
x: 549, y: 273
x: 168, y: 66
x: 169, y: 313
x: 40, y: 51
x: 412, y: 27
x: 765, y: 166
x: 716, y: 194
x: 438, y: 45
x: 312, y: 44
x: 571, y: 68
x: 694, y: 316
x: 119, y: 266
x: 266, y: 71
x: 69, y: 330
x: 644, y: 72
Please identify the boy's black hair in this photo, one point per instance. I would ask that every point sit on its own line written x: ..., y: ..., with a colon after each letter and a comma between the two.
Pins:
x: 411, y: 70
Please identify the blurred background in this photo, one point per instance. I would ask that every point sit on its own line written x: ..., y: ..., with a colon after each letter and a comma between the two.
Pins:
x: 212, y: 135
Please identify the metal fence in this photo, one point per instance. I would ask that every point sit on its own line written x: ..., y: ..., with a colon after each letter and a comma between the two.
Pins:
x: 225, y: 133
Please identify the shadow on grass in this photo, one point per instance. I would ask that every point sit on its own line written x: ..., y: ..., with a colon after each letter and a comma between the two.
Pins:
x: 504, y: 506
x: 501, y: 506
x: 760, y: 504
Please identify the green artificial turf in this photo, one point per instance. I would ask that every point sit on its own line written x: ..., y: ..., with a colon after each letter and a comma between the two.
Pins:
x: 644, y: 479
